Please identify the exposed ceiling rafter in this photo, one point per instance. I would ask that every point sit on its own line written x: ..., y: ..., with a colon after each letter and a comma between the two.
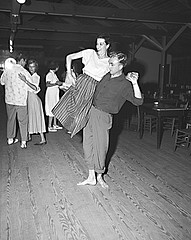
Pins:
x: 185, y: 3
x: 68, y: 22
x: 72, y: 10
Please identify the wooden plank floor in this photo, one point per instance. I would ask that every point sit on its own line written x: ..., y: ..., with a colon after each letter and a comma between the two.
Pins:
x: 149, y: 195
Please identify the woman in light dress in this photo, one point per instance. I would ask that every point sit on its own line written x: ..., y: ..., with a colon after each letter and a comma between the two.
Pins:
x: 73, y: 108
x: 52, y: 96
x: 35, y: 108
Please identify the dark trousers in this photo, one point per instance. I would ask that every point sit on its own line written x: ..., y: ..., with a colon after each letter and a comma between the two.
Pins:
x: 17, y: 113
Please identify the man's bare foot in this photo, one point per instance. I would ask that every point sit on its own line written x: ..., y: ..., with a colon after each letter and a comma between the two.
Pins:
x: 102, y: 183
x: 87, y: 182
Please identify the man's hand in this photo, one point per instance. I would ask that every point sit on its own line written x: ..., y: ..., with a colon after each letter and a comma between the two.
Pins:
x: 133, y: 77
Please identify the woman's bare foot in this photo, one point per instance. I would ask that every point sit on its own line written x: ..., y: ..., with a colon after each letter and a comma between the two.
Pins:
x: 87, y: 182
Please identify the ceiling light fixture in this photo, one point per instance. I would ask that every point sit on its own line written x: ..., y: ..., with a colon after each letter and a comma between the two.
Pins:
x: 21, y: 1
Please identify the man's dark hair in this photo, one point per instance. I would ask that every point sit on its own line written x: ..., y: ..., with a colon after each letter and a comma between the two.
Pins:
x: 53, y: 65
x: 20, y: 56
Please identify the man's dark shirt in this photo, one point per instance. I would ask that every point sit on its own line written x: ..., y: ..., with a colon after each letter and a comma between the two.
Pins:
x: 111, y: 94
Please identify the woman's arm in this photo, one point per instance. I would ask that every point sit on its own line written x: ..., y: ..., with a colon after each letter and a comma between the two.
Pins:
x: 2, y: 79
x: 49, y: 84
x: 69, y: 59
x: 24, y: 79
x: 52, y: 80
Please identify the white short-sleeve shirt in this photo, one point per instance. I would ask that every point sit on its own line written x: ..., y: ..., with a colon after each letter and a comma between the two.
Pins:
x: 94, y: 66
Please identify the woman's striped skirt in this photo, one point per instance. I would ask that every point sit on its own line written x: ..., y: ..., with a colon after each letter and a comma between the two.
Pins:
x: 73, y: 108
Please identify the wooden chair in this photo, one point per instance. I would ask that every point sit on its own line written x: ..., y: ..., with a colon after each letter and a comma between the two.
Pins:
x: 150, y: 122
x: 183, y: 138
x: 172, y: 123
x: 133, y: 119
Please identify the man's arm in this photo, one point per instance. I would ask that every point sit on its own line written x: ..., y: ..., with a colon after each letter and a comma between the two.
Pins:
x: 133, y: 78
x: 137, y: 90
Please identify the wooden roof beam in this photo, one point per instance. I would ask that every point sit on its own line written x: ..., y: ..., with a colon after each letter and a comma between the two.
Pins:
x: 84, y: 29
x: 181, y: 30
x: 62, y: 9
x: 156, y: 44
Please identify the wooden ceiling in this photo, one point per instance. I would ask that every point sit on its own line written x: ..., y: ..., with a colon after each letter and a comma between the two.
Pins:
x: 61, y: 26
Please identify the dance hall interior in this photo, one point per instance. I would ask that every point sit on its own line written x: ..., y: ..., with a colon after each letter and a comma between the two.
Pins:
x: 145, y: 193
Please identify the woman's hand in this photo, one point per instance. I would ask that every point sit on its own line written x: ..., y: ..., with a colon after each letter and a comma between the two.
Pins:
x: 59, y: 83
x: 133, y: 77
x: 22, y: 77
x: 65, y: 86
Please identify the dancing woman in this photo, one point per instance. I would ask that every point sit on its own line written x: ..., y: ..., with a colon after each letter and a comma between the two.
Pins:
x: 73, y: 108
x: 35, y: 108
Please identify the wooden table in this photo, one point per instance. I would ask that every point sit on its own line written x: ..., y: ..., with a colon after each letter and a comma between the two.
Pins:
x: 160, y: 111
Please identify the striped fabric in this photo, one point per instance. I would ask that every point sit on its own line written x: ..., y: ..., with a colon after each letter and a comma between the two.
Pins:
x: 73, y: 108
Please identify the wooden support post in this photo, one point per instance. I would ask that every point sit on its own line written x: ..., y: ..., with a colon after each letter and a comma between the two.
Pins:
x: 162, y: 68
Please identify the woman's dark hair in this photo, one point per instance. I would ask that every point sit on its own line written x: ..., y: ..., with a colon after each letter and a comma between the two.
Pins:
x: 123, y: 59
x: 107, y: 39
x: 31, y: 61
x: 53, y: 65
